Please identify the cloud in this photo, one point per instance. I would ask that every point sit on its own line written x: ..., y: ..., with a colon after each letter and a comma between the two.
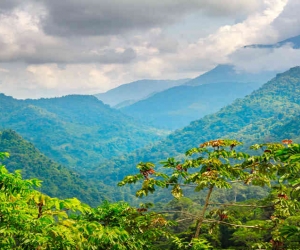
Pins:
x: 2, y: 70
x: 23, y: 40
x: 50, y: 80
x: 216, y: 48
x: 288, y: 22
x: 91, y: 17
x: 77, y: 32
x: 277, y: 59
x: 8, y: 5
x: 257, y: 60
x: 52, y: 47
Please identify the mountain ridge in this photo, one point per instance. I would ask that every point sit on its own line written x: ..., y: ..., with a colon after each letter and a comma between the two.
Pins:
x: 75, y: 130
x: 137, y: 90
x: 57, y: 180
x: 294, y: 41
x: 176, y: 107
x: 251, y: 119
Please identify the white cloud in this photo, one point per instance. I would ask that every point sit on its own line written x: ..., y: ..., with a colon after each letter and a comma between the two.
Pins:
x: 216, y: 47
x: 288, y: 23
x: 23, y: 40
x: 2, y: 70
x: 87, y: 60
x: 266, y: 59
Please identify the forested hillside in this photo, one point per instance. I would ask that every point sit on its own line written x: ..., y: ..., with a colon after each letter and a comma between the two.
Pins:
x: 33, y: 220
x: 198, y: 150
x: 176, y: 107
x: 209, y: 174
x: 260, y: 116
x: 58, y: 180
x: 75, y: 130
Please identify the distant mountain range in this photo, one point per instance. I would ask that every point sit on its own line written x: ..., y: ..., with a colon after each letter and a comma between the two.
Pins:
x: 99, y: 145
x: 132, y: 92
x: 271, y: 113
x: 176, y: 107
x: 227, y: 73
x: 75, y: 130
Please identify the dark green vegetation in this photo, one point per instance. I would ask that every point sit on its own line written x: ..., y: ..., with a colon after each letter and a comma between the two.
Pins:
x: 272, y: 222
x: 57, y: 180
x: 75, y: 130
x: 259, y: 117
x: 260, y: 188
x: 178, y: 106
x: 32, y: 220
x: 129, y: 93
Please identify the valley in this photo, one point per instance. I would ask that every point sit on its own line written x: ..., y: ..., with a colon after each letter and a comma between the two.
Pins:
x: 149, y: 125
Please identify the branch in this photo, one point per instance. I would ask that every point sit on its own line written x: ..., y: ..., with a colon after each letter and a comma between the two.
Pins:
x: 183, y: 220
x: 194, y: 216
x: 236, y: 205
x: 201, y: 217
x: 234, y: 225
x: 195, y: 185
x: 181, y: 184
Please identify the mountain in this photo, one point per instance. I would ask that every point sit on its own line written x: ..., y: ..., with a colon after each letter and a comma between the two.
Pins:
x: 57, y: 180
x: 75, y: 130
x: 293, y: 41
x: 288, y: 130
x: 261, y: 116
x: 134, y: 91
x: 176, y: 107
x: 227, y: 73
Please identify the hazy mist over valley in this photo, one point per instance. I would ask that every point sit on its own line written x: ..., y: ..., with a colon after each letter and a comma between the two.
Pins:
x: 150, y: 124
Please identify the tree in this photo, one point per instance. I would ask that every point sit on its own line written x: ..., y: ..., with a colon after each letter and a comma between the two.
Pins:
x: 217, y: 165
x: 32, y: 220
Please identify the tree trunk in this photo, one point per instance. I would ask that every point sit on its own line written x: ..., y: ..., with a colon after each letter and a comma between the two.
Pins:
x: 201, y: 217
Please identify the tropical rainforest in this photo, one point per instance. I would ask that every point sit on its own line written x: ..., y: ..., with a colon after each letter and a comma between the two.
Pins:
x: 78, y: 174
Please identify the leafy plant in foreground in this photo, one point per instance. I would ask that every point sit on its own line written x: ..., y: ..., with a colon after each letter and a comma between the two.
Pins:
x: 32, y: 220
x: 217, y: 165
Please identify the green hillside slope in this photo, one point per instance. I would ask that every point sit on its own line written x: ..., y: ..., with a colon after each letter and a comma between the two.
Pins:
x: 57, y: 180
x: 75, y: 130
x: 176, y: 107
x: 260, y: 117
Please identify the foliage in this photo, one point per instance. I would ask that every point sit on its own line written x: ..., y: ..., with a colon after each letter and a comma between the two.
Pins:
x: 58, y: 180
x: 263, y: 116
x: 217, y: 165
x: 77, y: 131
x: 31, y: 220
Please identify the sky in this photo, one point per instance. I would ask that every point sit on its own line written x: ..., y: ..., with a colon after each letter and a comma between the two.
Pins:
x: 53, y: 47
